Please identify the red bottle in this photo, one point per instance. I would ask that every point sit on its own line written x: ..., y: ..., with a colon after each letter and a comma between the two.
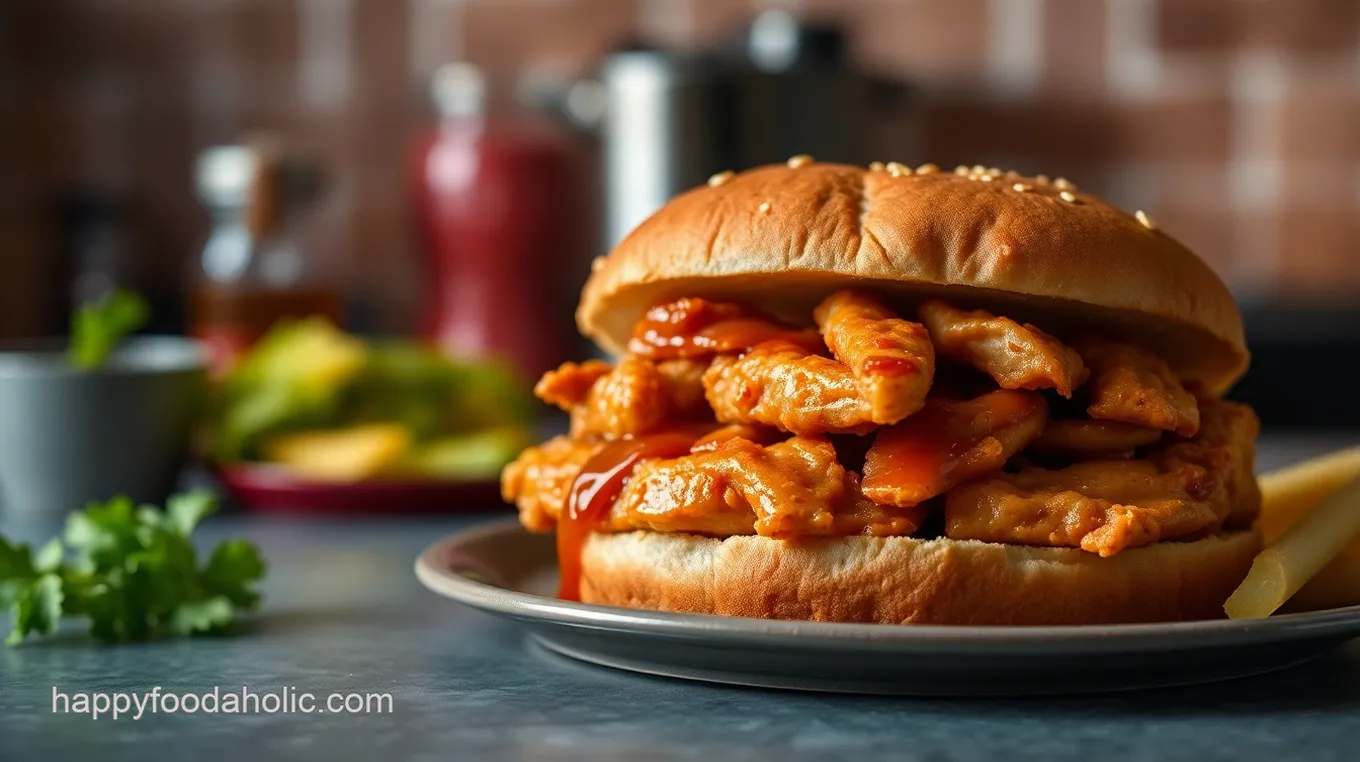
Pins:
x: 498, y: 199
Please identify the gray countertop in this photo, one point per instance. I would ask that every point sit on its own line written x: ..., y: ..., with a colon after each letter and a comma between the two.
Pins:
x: 345, y: 614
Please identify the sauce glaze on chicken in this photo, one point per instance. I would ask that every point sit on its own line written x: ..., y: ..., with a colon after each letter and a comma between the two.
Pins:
x: 723, y: 421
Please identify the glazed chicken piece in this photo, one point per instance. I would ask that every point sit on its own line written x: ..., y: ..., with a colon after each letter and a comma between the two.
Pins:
x: 779, y: 384
x: 1082, y: 439
x: 1135, y: 386
x: 882, y: 370
x: 693, y: 327
x: 1226, y: 446
x: 539, y: 481
x: 1101, y: 506
x: 684, y: 382
x: 792, y: 489
x: 632, y: 398
x: 1016, y: 356
x: 891, y: 359
x: 950, y: 442
x: 568, y: 385
x: 762, y: 435
x: 1183, y: 490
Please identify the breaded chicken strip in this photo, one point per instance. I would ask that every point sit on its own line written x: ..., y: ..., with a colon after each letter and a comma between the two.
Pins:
x: 882, y: 371
x: 891, y: 359
x: 1083, y: 439
x: 568, y: 385
x: 754, y: 432
x: 684, y: 382
x: 948, y: 443
x: 1016, y: 356
x: 792, y: 489
x: 795, y: 488
x: 1101, y: 506
x: 634, y: 397
x: 539, y: 481
x: 779, y: 384
x: 1181, y: 491
x: 1226, y: 445
x: 1134, y: 386
x: 693, y: 327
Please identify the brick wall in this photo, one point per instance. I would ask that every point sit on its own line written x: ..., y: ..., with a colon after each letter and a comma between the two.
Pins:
x: 1235, y: 123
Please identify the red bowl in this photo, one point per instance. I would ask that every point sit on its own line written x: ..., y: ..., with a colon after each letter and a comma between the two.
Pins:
x: 271, y: 488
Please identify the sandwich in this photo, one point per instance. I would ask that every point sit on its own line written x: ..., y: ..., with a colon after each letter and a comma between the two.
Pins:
x: 900, y: 395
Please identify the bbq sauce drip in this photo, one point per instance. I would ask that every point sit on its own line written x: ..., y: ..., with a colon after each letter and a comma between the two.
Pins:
x: 596, y: 488
x: 698, y: 327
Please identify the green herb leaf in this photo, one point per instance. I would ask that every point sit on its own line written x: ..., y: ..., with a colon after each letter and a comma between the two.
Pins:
x: 49, y: 556
x: 16, y: 562
x: 36, y: 608
x: 133, y: 572
x: 233, y: 567
x: 98, y: 327
x: 32, y: 595
x: 103, y: 533
x: 208, y: 615
x: 186, y: 510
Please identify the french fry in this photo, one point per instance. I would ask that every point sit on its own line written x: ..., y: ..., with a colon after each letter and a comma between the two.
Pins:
x: 1288, y: 494
x: 1337, y: 585
x: 1298, y: 555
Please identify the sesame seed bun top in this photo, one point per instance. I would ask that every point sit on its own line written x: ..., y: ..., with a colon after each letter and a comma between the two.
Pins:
x: 781, y: 237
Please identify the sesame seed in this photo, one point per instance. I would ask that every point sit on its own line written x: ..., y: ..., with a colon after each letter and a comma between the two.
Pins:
x: 994, y: 171
x: 1022, y: 187
x: 1062, y: 183
x: 978, y: 169
x: 961, y: 171
x: 898, y: 170
x: 1146, y: 220
x: 986, y: 177
x: 596, y: 264
x: 927, y: 169
x: 876, y: 166
x: 1068, y: 197
x: 800, y: 160
x: 764, y: 207
x: 1041, y: 179
x: 720, y: 178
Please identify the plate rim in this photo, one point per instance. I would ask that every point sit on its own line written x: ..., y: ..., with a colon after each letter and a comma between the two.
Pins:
x: 1145, y: 636
x: 817, y: 683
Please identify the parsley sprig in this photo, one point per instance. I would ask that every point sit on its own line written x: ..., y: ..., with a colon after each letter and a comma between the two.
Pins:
x: 132, y: 571
x: 98, y: 326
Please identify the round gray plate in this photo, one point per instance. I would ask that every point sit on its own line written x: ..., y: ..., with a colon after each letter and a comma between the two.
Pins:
x: 504, y: 570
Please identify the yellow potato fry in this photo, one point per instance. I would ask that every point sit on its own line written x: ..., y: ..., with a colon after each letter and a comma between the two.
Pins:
x: 340, y: 455
x: 1287, y: 495
x: 1290, y: 493
x: 1283, y: 568
x: 1337, y: 585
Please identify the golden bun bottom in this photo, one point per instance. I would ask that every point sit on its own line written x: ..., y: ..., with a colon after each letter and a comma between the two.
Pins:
x: 902, y: 580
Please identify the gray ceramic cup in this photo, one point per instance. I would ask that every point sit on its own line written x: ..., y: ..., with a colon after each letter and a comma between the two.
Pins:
x: 68, y: 437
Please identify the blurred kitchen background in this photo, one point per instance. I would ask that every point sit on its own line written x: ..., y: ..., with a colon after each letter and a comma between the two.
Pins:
x: 1234, y: 123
